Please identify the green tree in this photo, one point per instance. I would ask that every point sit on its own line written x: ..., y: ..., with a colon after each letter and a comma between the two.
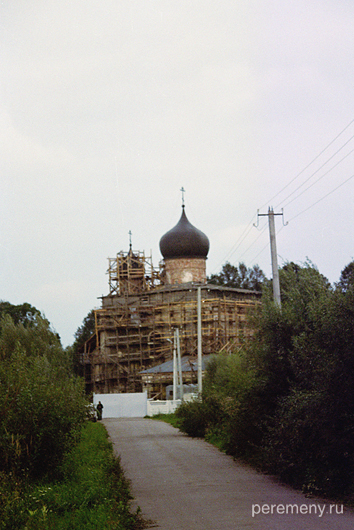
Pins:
x: 287, y: 402
x: 42, y: 405
x: 239, y: 277
x: 311, y: 440
x: 346, y: 280
x: 20, y: 314
x: 299, y: 415
x: 83, y: 333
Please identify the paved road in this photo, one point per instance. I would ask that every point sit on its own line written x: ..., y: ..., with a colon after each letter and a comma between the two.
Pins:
x: 182, y: 483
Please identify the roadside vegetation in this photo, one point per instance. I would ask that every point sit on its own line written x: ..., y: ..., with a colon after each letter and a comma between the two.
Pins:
x: 167, y: 418
x: 284, y: 402
x: 91, y: 493
x: 57, y: 470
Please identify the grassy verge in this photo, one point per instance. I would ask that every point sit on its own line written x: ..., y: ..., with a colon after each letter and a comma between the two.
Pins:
x: 92, y: 493
x: 215, y: 436
x: 167, y: 418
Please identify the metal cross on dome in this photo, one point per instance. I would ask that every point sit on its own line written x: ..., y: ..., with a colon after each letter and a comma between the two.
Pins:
x: 183, y: 192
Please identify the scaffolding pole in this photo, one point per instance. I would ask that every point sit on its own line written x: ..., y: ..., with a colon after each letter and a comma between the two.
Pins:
x: 200, y: 353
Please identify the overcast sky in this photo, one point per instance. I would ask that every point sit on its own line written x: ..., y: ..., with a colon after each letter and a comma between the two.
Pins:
x: 109, y: 107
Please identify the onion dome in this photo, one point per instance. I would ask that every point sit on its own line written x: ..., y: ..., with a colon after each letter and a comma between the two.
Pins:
x: 184, y: 241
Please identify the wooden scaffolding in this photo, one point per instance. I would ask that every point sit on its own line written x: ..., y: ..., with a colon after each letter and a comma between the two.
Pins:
x: 137, y: 333
x: 134, y: 327
x: 131, y: 273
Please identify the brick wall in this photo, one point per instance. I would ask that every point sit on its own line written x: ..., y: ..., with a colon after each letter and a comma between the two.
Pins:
x: 185, y: 270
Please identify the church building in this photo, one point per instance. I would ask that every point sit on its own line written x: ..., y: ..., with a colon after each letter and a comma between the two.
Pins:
x: 134, y: 328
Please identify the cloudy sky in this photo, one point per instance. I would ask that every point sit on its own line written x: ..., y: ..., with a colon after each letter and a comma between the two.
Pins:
x: 108, y: 108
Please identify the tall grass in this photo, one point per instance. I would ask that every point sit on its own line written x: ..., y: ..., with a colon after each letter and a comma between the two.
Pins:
x: 92, y: 493
x: 170, y: 418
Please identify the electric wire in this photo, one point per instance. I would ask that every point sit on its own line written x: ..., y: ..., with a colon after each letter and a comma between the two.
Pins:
x: 260, y: 252
x: 309, y: 164
x: 254, y: 241
x: 247, y: 230
x: 265, y: 246
x: 237, y: 244
x: 314, y: 173
x: 315, y: 182
x: 322, y: 198
x: 317, y: 170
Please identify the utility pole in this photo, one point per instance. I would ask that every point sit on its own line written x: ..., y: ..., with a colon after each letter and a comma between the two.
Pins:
x: 273, y: 252
x: 200, y: 353
x: 174, y: 365
x: 179, y: 365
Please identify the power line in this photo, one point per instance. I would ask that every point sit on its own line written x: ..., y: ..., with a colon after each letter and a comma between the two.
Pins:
x: 322, y: 198
x: 319, y: 178
x: 254, y: 241
x: 247, y: 230
x: 317, y: 170
x: 314, y: 173
x: 266, y: 245
x: 308, y: 165
x: 303, y: 211
x: 237, y: 244
x: 260, y: 252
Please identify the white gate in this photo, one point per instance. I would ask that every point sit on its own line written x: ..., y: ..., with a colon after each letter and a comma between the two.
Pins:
x: 122, y: 405
x: 162, y: 407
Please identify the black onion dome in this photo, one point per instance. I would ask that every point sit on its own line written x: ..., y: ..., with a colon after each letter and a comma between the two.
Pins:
x: 184, y: 241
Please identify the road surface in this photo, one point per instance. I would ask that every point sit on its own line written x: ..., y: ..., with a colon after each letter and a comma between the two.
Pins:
x: 183, y: 483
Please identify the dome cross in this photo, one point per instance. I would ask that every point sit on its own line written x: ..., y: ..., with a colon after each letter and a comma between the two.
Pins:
x: 183, y: 192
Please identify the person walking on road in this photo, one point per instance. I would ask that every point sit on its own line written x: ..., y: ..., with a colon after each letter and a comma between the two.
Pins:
x: 99, y: 410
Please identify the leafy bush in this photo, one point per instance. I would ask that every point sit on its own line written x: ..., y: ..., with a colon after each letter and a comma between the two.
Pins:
x: 305, y: 445
x: 42, y: 411
x: 192, y: 418
x: 92, y: 494
x: 227, y: 386
x: 286, y: 403
x: 42, y: 405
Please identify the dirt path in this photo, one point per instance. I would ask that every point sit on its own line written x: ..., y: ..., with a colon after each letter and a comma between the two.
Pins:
x: 182, y: 483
